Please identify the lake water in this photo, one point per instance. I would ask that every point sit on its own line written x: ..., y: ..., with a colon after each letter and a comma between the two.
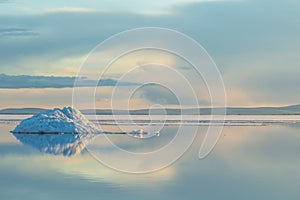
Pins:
x: 249, y: 162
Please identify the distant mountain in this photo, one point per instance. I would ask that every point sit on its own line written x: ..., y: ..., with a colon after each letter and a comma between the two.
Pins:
x: 287, y: 110
x: 293, y: 107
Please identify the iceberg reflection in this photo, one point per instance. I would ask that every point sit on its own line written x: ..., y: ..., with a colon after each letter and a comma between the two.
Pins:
x: 56, y: 144
x: 68, y: 144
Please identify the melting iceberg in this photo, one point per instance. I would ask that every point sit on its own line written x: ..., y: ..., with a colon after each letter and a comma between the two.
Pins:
x: 66, y: 120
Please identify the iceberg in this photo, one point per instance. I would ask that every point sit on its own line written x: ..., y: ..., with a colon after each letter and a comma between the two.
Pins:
x: 62, y: 132
x: 66, y: 120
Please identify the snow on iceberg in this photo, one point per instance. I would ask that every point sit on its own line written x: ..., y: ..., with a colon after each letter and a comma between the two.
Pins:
x: 66, y: 120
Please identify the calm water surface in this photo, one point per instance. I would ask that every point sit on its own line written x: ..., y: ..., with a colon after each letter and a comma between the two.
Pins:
x: 249, y: 162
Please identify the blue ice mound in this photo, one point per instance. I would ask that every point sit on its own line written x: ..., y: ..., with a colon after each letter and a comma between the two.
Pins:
x: 66, y: 120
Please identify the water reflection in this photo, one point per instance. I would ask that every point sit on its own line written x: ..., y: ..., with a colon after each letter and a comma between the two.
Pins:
x: 66, y: 144
x: 258, y: 162
x: 56, y: 144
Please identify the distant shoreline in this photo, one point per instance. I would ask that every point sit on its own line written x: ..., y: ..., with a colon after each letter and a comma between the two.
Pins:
x: 287, y: 110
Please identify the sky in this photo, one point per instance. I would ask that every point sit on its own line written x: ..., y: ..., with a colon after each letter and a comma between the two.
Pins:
x: 254, y: 43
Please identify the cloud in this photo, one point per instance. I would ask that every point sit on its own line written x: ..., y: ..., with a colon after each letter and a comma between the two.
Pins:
x: 71, y: 10
x: 157, y: 95
x: 76, y: 33
x: 25, y: 81
x: 145, y: 7
x: 185, y: 67
x: 257, y: 38
x: 17, y: 32
x: 258, y: 85
x: 5, y: 1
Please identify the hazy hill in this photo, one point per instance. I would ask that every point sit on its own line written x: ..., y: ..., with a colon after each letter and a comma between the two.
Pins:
x: 287, y: 110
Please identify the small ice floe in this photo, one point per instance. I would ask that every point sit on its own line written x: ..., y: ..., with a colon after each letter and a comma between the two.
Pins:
x: 142, y: 134
x: 157, y: 133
